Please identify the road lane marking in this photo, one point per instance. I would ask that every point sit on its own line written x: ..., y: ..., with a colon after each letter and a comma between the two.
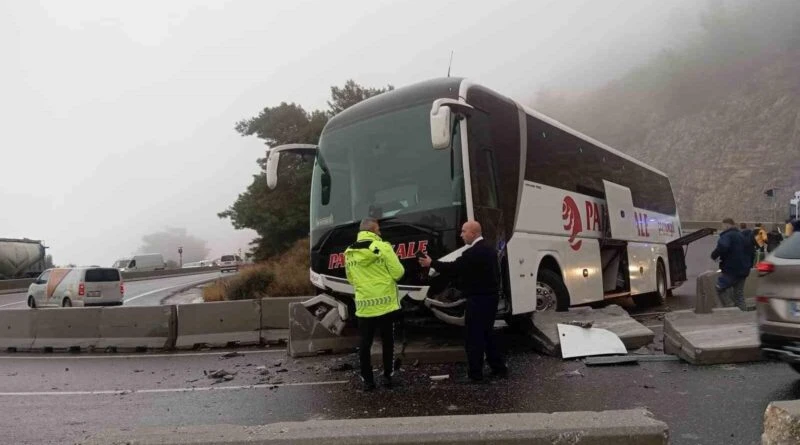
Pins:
x: 120, y: 392
x: 128, y: 356
x: 12, y: 304
x: 193, y: 283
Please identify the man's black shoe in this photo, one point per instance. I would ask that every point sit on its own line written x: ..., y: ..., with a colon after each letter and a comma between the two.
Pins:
x: 500, y: 373
x: 388, y: 383
x: 473, y: 381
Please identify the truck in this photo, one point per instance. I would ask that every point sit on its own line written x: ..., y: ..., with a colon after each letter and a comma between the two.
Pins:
x: 574, y: 221
x: 21, y: 258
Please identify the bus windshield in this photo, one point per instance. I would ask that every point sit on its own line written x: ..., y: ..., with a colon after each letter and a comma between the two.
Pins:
x: 383, y: 166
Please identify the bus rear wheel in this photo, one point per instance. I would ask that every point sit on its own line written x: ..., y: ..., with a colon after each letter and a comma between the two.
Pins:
x: 551, y: 293
x: 658, y: 297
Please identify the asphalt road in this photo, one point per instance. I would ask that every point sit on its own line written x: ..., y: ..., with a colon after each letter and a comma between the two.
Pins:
x: 63, y: 398
x: 137, y: 293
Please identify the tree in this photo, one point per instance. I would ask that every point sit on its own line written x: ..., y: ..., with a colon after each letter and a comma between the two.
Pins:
x: 48, y: 261
x: 280, y: 216
x: 350, y: 94
x: 167, y: 242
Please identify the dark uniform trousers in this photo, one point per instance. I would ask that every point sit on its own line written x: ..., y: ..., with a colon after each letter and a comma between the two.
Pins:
x: 367, y: 327
x: 479, y: 323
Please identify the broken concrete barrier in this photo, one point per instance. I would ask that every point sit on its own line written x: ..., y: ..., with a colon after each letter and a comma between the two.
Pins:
x: 782, y: 423
x: 726, y: 335
x: 623, y: 427
x: 17, y: 329
x: 275, y: 311
x: 138, y: 327
x: 218, y: 324
x: 309, y: 336
x: 633, y: 334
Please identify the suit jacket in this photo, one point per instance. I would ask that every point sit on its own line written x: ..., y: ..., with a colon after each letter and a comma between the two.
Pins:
x: 476, y: 269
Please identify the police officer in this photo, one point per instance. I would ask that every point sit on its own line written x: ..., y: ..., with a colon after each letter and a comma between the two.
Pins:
x: 373, y: 269
x: 479, y: 283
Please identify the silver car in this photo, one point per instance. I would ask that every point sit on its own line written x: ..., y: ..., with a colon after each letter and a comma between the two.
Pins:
x: 778, y: 302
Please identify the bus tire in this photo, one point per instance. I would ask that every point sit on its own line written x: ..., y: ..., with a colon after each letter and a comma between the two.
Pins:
x: 658, y: 297
x: 550, y: 281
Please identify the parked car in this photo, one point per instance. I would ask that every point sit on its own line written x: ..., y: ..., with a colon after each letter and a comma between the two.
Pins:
x: 79, y: 286
x: 229, y: 262
x: 778, y: 302
x: 142, y: 262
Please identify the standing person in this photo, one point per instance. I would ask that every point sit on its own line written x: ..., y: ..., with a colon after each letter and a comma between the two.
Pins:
x: 788, y: 229
x: 774, y: 239
x: 760, y: 236
x: 372, y: 267
x: 750, y: 242
x: 734, y: 264
x: 479, y: 282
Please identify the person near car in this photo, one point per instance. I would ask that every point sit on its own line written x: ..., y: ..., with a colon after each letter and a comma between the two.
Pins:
x: 774, y: 239
x: 478, y: 276
x: 760, y: 236
x: 373, y: 269
x: 788, y: 229
x: 732, y: 251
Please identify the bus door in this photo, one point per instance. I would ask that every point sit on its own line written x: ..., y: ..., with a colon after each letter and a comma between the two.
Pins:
x: 620, y: 211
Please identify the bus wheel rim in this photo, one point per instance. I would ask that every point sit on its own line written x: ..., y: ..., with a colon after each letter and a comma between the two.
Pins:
x: 545, y: 297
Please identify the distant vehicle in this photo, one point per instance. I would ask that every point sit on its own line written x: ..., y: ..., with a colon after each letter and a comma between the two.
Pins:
x: 80, y: 286
x: 21, y: 258
x: 204, y: 263
x: 778, y: 302
x: 794, y: 206
x: 141, y: 263
x: 229, y: 262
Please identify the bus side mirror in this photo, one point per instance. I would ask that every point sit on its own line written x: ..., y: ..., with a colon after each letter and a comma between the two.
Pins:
x: 442, y: 113
x: 273, y: 157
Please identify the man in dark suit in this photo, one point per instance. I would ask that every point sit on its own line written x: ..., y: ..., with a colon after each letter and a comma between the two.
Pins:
x: 479, y: 282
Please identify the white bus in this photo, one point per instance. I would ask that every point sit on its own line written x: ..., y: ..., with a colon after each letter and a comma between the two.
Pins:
x: 574, y: 221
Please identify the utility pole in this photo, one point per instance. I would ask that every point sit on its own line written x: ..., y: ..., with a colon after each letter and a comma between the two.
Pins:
x: 180, y: 256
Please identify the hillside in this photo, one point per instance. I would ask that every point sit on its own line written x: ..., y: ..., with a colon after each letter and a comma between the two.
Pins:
x: 720, y: 115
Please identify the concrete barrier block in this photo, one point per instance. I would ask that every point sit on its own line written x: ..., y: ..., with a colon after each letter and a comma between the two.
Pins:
x: 138, y: 327
x: 17, y: 329
x: 727, y: 335
x: 633, y: 334
x: 706, y: 296
x: 64, y: 328
x: 275, y: 311
x: 218, y: 323
x: 782, y: 423
x: 624, y: 427
x: 307, y: 336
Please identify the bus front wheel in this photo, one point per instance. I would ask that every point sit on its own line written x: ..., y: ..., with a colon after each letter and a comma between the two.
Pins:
x: 551, y: 293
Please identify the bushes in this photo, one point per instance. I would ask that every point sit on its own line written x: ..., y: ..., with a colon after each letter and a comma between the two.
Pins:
x: 283, y: 276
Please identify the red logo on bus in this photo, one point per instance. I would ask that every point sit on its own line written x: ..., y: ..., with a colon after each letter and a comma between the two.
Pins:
x: 572, y: 221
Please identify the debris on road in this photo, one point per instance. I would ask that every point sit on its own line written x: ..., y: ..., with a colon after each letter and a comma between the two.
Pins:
x: 218, y: 374
x: 282, y: 370
x: 228, y: 377
x: 581, y: 324
x: 439, y: 378
x: 574, y: 373
x: 231, y: 355
x: 611, y: 360
x: 582, y: 342
x: 344, y: 366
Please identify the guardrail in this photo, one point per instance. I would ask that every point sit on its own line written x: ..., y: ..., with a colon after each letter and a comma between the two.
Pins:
x: 14, y: 286
x: 182, y: 326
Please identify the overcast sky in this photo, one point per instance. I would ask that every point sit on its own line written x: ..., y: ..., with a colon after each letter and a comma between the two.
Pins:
x: 118, y: 115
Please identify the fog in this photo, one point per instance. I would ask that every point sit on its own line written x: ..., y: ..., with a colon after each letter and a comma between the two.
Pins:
x: 118, y: 116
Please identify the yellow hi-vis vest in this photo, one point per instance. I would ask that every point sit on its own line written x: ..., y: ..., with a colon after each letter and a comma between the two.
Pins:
x: 373, y: 269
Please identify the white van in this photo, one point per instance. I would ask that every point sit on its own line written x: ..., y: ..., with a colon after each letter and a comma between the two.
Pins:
x: 141, y: 263
x: 80, y: 286
x: 229, y: 262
